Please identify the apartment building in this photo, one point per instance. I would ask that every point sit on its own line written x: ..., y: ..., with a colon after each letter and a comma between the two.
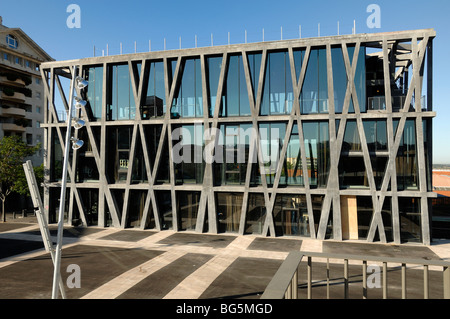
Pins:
x: 21, y: 88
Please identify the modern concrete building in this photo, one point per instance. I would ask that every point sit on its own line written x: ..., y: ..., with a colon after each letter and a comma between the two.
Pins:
x: 22, y: 90
x: 326, y: 138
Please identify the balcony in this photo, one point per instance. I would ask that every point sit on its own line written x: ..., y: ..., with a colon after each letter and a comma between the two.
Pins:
x: 378, y: 103
x: 16, y: 97
x: 11, y: 127
x: 12, y: 112
x: 17, y: 82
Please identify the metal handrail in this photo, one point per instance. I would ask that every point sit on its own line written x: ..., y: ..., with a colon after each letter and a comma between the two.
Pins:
x: 284, y: 284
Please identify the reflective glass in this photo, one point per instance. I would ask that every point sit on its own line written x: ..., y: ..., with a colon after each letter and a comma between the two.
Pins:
x: 278, y: 90
x: 292, y: 173
x: 235, y: 100
x: 94, y: 92
x: 410, y: 219
x: 256, y: 214
x: 291, y: 215
x: 232, y: 155
x: 317, y: 148
x: 340, y: 79
x: 272, y: 139
x: 229, y: 209
x: 164, y: 204
x: 187, y: 154
x: 121, y: 104
x: 376, y: 135
x: 187, y: 203
x: 154, y: 95
x: 188, y: 100
x: 406, y: 161
x: 213, y: 66
x: 314, y: 94
x: 254, y: 63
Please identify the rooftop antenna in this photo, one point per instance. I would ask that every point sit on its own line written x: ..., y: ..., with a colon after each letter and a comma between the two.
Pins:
x: 281, y: 30
x: 212, y: 40
x: 300, y: 31
x: 263, y: 34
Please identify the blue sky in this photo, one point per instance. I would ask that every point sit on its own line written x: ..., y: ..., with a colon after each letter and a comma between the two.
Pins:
x: 113, y: 22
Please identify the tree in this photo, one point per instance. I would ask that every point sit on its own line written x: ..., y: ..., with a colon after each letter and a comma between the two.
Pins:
x: 21, y: 184
x: 13, y: 151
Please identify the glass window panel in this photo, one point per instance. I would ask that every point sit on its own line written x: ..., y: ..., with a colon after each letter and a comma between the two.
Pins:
x: 272, y: 138
x: 188, y: 203
x: 136, y: 208
x: 121, y: 105
x: 235, y: 100
x: 256, y: 214
x: 292, y: 173
x: 153, y: 95
x: 291, y: 215
x: 278, y: 90
x: 339, y: 78
x: 351, y: 137
x: 188, y: 100
x: 214, y: 66
x: 314, y: 94
x: 94, y: 92
x: 376, y: 135
x: 317, y: 149
x: 406, y: 162
x: 410, y: 219
x: 231, y: 163
x: 164, y: 204
x: 254, y: 63
x: 352, y: 172
x: 229, y: 208
x: 189, y: 168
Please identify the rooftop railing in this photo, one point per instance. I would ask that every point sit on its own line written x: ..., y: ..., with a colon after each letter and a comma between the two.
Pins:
x: 285, y: 283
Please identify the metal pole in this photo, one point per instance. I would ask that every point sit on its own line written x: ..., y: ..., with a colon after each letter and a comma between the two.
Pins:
x: 56, y: 273
x: 39, y: 212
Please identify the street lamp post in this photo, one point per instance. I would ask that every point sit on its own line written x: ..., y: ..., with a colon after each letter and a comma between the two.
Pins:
x: 80, y: 84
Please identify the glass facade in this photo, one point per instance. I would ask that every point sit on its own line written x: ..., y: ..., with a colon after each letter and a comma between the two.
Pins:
x: 178, y: 105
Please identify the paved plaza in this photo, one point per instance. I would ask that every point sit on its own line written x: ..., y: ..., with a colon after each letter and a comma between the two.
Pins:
x: 146, y: 264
